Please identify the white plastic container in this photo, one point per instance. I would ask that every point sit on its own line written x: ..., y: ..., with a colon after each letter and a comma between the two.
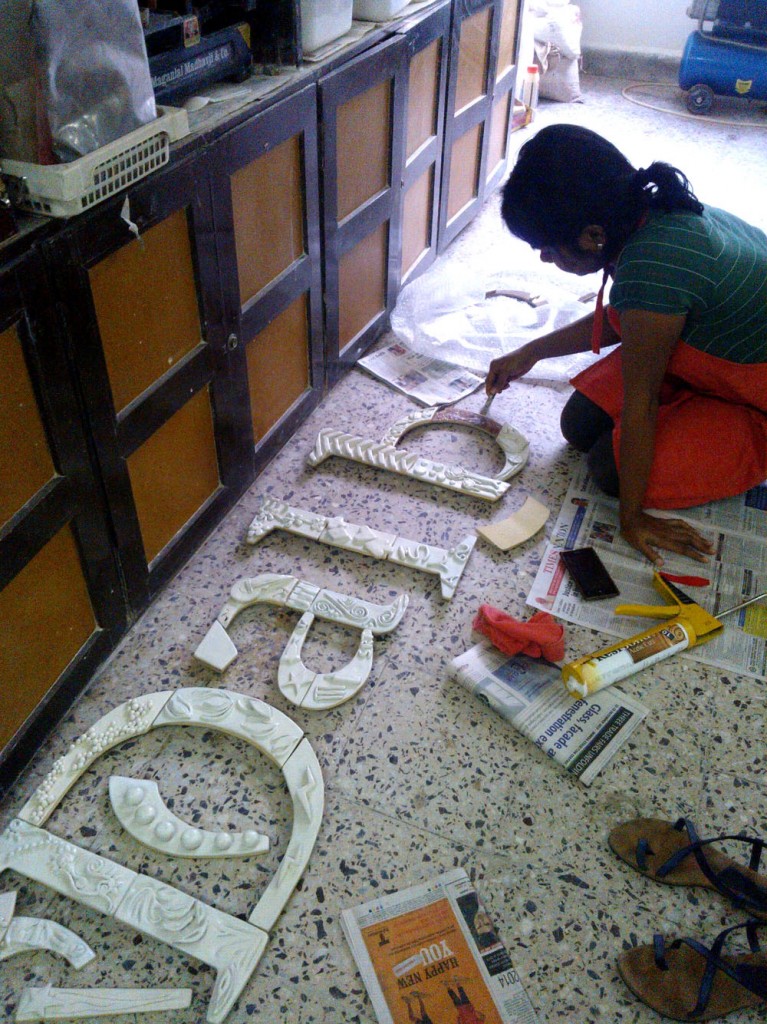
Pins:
x: 378, y: 10
x: 530, y: 85
x: 322, y: 21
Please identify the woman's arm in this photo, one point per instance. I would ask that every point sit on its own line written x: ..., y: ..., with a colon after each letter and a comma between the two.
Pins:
x: 566, y: 341
x: 648, y: 341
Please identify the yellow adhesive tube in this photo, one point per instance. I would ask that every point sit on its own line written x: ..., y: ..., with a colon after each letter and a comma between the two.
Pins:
x: 593, y: 672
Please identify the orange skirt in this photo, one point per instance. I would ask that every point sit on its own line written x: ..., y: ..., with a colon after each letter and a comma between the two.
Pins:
x: 711, y: 434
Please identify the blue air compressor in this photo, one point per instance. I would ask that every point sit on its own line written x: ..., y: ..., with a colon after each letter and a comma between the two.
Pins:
x: 727, y: 55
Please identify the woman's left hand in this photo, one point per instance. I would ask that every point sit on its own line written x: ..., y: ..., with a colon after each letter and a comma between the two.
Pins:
x: 648, y: 533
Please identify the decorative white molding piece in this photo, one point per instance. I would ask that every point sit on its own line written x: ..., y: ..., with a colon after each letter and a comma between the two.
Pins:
x: 231, y: 946
x: 25, y: 934
x: 319, y: 691
x: 386, y: 456
x: 448, y: 565
x: 7, y: 909
x: 514, y: 446
x: 217, y: 650
x: 48, y: 1003
x: 133, y: 718
x: 142, y: 813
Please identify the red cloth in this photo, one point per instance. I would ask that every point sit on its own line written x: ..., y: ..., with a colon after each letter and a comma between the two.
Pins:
x: 541, y: 637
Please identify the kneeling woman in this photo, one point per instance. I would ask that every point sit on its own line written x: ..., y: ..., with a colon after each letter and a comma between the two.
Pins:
x: 677, y: 414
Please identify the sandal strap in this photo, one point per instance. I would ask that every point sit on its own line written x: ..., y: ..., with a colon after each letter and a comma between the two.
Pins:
x: 730, y: 882
x: 752, y: 979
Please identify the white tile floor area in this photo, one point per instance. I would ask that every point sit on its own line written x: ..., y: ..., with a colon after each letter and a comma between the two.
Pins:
x: 419, y: 777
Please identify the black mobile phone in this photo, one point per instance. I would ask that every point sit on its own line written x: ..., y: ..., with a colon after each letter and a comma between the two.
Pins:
x: 589, y: 573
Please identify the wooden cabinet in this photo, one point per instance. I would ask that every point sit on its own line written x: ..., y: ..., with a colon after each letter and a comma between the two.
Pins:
x: 479, y: 105
x: 61, y: 603
x: 162, y: 378
x: 266, y: 215
x: 158, y: 349
x: 362, y: 146
x: 428, y: 44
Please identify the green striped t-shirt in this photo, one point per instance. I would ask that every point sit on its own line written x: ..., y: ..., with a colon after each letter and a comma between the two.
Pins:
x: 711, y: 268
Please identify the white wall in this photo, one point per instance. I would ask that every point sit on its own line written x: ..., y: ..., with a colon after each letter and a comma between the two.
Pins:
x: 658, y: 27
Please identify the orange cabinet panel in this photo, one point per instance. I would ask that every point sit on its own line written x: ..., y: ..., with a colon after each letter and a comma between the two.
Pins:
x: 278, y: 366
x: 47, y: 618
x: 417, y: 219
x: 423, y: 97
x: 268, y: 216
x: 146, y: 306
x: 174, y: 473
x: 364, y: 147
x: 464, y: 171
x: 473, y: 58
x: 362, y: 284
x: 26, y: 463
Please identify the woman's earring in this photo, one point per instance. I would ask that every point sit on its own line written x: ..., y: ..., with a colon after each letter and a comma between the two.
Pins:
x: 600, y: 246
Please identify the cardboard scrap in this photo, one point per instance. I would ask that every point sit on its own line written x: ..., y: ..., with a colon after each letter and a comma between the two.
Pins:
x: 508, y: 533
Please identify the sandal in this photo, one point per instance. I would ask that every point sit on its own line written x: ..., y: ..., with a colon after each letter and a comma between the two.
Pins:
x: 686, y: 981
x: 673, y: 854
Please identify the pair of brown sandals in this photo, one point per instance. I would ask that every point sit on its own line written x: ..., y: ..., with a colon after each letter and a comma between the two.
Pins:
x: 684, y: 979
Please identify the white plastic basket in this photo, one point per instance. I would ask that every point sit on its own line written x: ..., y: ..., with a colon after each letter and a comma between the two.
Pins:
x: 64, y: 190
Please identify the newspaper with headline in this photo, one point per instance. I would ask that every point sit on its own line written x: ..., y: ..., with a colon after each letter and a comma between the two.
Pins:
x: 431, y: 952
x: 581, y: 736
x: 736, y: 571
x: 427, y: 380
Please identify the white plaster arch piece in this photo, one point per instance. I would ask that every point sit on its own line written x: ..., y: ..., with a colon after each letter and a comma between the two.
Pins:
x: 386, y: 456
x: 24, y: 934
x: 143, y: 814
x: 335, y: 530
x: 217, y: 649
x: 319, y: 691
x: 515, y: 447
x: 231, y: 946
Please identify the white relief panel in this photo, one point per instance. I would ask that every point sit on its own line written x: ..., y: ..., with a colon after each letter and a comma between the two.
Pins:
x: 143, y: 814
x: 49, y: 1003
x: 304, y: 780
x: 215, y: 649
x: 386, y: 456
x: 27, y: 934
x: 448, y: 565
x: 319, y: 691
x: 232, y: 946
x: 130, y: 719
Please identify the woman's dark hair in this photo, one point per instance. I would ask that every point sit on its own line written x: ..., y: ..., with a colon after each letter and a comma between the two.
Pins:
x: 567, y: 178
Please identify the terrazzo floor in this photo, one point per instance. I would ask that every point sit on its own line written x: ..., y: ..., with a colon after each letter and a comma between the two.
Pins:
x: 420, y: 778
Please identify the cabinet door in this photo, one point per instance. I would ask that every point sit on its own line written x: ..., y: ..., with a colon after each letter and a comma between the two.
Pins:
x: 428, y: 43
x: 362, y: 118
x: 61, y: 602
x: 499, y: 132
x: 162, y: 382
x: 471, y: 81
x: 266, y: 209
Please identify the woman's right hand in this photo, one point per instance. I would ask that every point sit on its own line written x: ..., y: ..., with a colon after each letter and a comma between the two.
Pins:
x: 507, y: 368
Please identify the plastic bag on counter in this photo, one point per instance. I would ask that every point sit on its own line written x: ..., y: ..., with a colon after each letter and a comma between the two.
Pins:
x: 94, y: 72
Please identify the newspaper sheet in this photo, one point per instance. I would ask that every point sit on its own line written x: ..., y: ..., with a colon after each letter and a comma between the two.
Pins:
x: 737, y: 528
x: 580, y: 735
x: 431, y: 952
x: 427, y: 380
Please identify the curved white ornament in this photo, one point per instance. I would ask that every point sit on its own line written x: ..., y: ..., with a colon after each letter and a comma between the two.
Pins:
x: 231, y: 946
x: 514, y: 446
x: 217, y: 649
x: 24, y: 934
x: 319, y: 691
x: 335, y: 530
x: 142, y: 813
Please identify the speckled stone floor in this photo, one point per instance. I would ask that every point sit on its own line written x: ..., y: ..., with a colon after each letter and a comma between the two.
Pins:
x: 419, y: 777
